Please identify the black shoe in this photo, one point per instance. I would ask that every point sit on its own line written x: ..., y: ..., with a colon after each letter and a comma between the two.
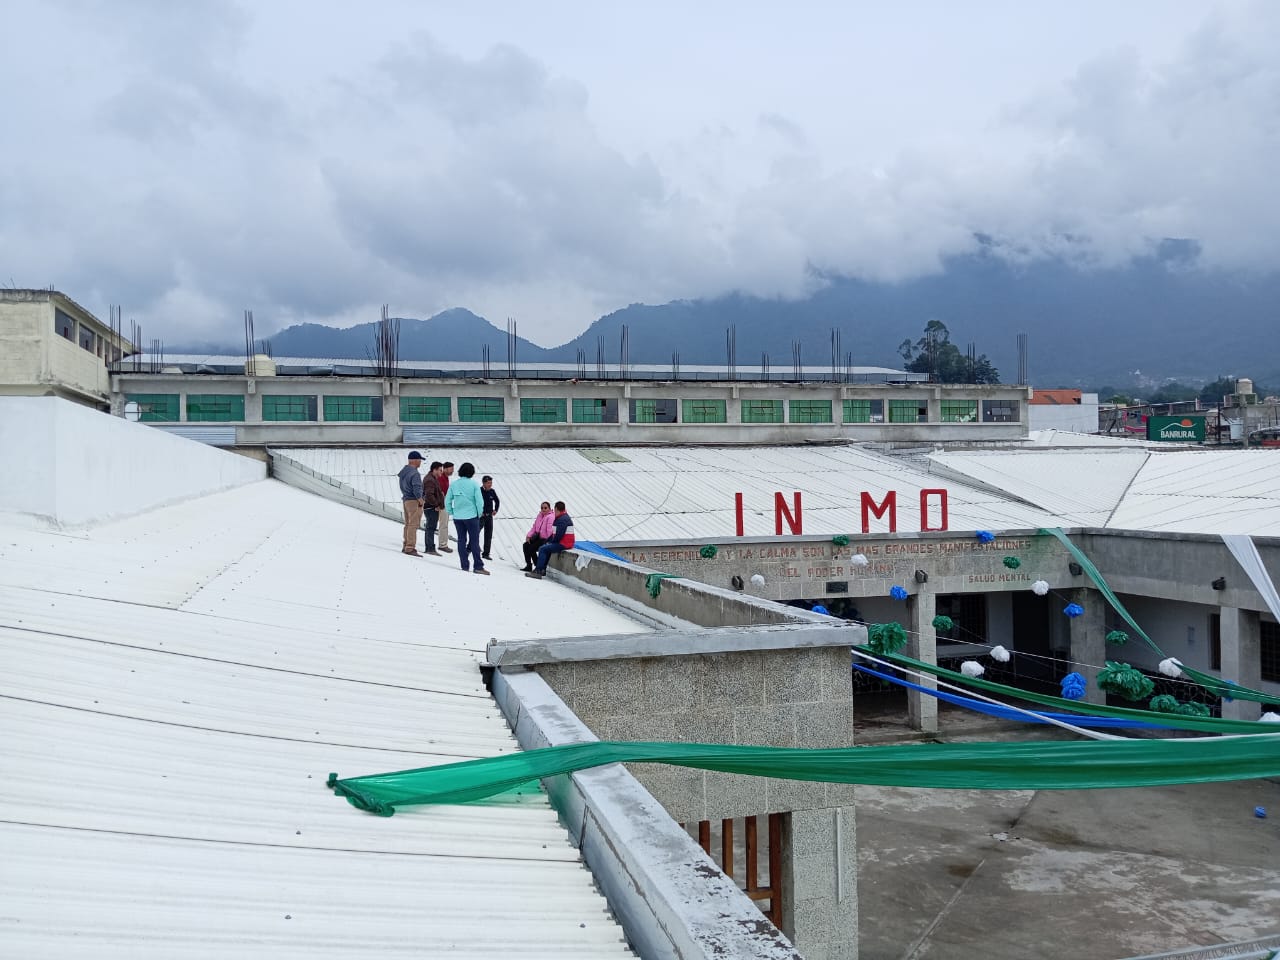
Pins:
x: 527, y: 569
x: 431, y: 553
x: 485, y: 556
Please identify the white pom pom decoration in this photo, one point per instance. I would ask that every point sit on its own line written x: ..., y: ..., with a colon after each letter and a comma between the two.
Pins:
x: 1170, y: 667
x: 757, y: 579
x: 999, y: 654
x: 859, y: 560
x: 1269, y: 717
x: 1040, y: 588
x: 972, y: 668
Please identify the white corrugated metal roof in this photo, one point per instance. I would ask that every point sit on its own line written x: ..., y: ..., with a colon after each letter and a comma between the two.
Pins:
x: 1179, y: 491
x: 674, y: 493
x: 176, y: 688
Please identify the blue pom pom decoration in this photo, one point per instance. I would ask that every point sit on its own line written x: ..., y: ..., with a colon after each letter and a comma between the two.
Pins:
x: 1260, y: 812
x: 1073, y: 609
x: 819, y: 608
x: 985, y: 536
x: 1073, y: 686
x: 898, y: 593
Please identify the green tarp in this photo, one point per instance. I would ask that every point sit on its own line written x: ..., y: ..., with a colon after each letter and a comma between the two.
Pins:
x: 1037, y: 765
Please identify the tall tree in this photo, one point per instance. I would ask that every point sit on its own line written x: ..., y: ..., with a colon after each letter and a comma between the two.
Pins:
x: 936, y: 355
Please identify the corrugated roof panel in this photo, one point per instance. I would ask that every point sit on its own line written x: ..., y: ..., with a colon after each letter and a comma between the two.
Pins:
x: 687, y: 492
x: 1081, y: 488
x: 178, y: 686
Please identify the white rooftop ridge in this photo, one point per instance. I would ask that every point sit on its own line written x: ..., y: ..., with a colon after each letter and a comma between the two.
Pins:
x: 179, y: 683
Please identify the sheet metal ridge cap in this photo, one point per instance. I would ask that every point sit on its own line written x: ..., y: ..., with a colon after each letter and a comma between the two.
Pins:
x: 786, y: 539
x: 787, y: 636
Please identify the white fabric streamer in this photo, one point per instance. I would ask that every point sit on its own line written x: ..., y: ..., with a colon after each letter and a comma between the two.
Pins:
x: 581, y: 562
x: 1245, y: 551
x: 1270, y: 717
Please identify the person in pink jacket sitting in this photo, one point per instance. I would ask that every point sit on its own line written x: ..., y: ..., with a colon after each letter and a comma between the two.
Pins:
x: 538, y: 534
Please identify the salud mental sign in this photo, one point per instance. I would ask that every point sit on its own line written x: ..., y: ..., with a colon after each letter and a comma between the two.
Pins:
x: 1181, y: 429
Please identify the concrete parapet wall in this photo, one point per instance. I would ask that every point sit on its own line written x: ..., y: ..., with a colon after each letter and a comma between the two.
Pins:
x: 295, y: 474
x: 82, y: 466
x: 689, y: 600
x: 666, y: 892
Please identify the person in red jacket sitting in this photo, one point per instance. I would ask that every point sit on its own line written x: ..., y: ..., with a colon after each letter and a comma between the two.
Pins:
x: 561, y: 539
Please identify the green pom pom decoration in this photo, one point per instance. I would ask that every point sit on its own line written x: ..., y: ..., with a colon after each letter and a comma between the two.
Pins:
x: 886, y: 637
x: 1118, y: 638
x: 708, y: 552
x: 943, y: 623
x: 1165, y: 703
x: 840, y: 540
x: 1124, y: 680
x: 1013, y: 563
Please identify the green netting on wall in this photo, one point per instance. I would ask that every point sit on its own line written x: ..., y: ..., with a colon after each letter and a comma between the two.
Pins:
x: 1081, y: 765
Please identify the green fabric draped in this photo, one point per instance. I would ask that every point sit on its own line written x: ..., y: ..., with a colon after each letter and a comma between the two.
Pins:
x: 653, y: 582
x: 1036, y: 765
x: 1060, y: 704
x: 1216, y: 685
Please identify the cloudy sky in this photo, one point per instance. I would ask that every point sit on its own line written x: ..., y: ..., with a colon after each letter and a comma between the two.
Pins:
x: 554, y: 161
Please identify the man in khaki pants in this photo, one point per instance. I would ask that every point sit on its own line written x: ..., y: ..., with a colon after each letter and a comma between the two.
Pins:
x: 443, y: 480
x: 411, y: 497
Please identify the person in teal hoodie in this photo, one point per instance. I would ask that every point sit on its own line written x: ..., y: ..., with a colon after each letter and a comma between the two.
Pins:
x: 464, y: 501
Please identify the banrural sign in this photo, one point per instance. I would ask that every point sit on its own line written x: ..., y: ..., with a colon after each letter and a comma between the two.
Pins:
x: 1182, y: 429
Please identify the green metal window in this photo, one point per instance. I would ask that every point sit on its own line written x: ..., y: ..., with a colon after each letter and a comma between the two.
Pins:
x: 156, y: 407
x: 653, y: 411
x: 215, y: 408
x: 288, y: 408
x: 353, y: 409
x: 543, y: 410
x: 481, y: 410
x: 1000, y: 411
x: 908, y: 411
x: 762, y: 411
x: 425, y: 409
x: 595, y: 411
x: 864, y: 411
x: 810, y: 411
x: 704, y: 411
x: 959, y: 411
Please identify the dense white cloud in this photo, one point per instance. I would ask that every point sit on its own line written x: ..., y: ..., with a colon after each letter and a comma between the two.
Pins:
x: 192, y: 160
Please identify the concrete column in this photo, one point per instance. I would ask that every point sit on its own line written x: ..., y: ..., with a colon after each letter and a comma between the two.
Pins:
x: 820, y: 881
x: 1088, y: 637
x: 922, y: 643
x: 1241, y: 659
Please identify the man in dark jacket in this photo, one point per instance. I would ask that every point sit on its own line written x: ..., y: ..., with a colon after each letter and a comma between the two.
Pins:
x: 411, y: 499
x: 491, y: 503
x: 561, y: 539
x: 432, y: 503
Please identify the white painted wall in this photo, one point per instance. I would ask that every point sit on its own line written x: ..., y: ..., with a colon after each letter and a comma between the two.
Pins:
x: 68, y: 465
x: 1076, y: 418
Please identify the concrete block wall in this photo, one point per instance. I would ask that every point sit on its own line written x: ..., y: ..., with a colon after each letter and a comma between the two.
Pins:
x: 779, y: 698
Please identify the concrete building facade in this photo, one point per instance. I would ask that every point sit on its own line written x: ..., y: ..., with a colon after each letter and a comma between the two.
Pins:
x: 319, y: 410
x: 50, y: 346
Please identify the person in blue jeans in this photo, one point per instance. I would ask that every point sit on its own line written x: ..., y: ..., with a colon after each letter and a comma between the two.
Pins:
x: 465, y: 503
x: 561, y: 539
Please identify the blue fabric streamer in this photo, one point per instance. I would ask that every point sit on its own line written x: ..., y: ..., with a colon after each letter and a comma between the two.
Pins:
x: 589, y: 546
x: 1008, y: 713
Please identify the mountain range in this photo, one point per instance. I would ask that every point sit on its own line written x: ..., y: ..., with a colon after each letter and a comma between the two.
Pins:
x: 1164, y: 315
